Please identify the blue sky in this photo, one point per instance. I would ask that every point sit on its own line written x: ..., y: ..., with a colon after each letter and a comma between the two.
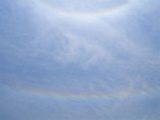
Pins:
x: 83, y: 60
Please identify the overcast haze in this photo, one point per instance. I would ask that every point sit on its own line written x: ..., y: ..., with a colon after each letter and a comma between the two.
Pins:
x: 80, y: 60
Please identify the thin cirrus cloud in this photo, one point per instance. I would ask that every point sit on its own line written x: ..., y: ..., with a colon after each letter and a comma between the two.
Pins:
x: 89, y: 62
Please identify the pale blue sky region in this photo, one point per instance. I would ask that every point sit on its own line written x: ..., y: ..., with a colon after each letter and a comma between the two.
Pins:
x: 96, y: 61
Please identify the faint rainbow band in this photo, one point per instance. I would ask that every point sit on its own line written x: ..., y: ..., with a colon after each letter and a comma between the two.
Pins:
x: 89, y: 96
x: 87, y: 13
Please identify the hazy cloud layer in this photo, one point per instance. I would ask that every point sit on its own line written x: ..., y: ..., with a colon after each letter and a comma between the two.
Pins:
x: 65, y: 62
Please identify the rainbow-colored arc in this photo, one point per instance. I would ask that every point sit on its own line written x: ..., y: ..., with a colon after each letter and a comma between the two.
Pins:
x: 87, y: 96
x: 80, y: 96
x: 102, y: 11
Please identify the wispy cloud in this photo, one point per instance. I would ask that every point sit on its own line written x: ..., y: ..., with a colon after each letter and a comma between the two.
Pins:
x: 108, y: 62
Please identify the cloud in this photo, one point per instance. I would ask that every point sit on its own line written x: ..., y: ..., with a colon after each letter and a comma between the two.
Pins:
x: 50, y: 58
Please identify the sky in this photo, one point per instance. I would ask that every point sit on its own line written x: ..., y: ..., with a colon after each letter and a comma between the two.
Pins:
x: 80, y: 60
